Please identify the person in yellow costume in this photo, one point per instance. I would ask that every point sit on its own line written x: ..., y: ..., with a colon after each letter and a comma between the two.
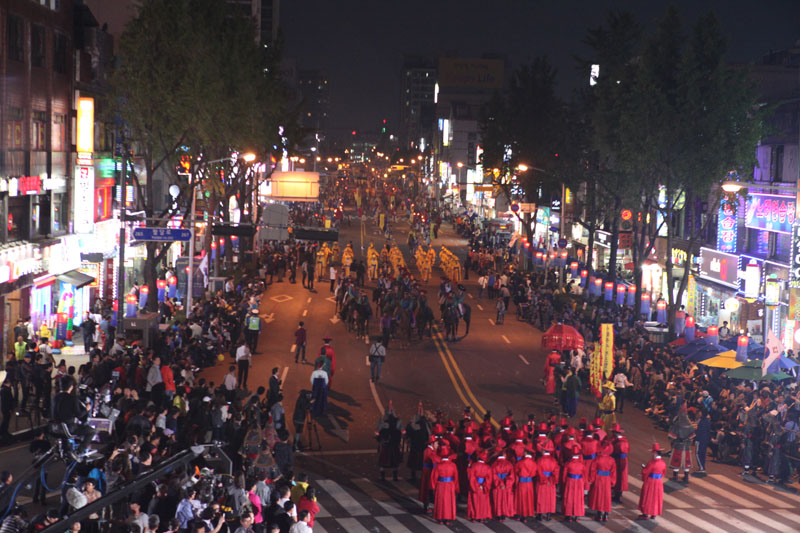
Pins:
x: 608, y: 405
x: 372, y: 262
x: 320, y: 267
x: 335, y: 252
x: 347, y: 260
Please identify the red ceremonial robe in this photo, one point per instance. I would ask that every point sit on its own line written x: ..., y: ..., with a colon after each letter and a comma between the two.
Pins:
x: 468, y: 448
x: 444, y: 482
x: 503, y: 487
x: 568, y: 449
x: 651, y: 500
x: 589, y: 449
x: 429, y: 460
x: 572, y: 495
x: 621, y: 450
x: 552, y: 360
x: 546, y: 484
x: 602, y: 474
x: 479, y: 504
x: 525, y: 470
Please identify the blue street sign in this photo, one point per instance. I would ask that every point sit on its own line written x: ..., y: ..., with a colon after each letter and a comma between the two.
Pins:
x: 161, y: 234
x: 562, y: 243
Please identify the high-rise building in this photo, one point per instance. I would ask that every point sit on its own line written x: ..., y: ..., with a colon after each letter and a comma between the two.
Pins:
x: 417, y: 107
x: 313, y: 85
x: 266, y: 14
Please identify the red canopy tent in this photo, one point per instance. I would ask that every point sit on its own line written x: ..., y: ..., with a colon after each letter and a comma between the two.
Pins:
x: 562, y: 337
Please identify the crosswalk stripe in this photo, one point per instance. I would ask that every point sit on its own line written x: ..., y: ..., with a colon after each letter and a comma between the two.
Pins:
x: 407, y: 488
x: 477, y: 527
x: 351, y: 525
x: 760, y: 518
x: 728, y: 519
x: 771, y: 500
x: 431, y: 525
x: 515, y: 526
x: 323, y: 513
x: 725, y: 494
x: 692, y: 518
x: 318, y: 528
x: 391, y: 524
x: 342, y: 497
x: 379, y: 495
x: 696, y: 499
x: 669, y: 499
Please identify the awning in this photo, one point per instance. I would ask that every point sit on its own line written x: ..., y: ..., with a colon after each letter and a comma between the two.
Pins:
x: 75, y: 278
x: 307, y: 234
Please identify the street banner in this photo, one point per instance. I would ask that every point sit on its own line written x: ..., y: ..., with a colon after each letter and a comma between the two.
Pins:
x: 607, y: 346
x: 595, y: 364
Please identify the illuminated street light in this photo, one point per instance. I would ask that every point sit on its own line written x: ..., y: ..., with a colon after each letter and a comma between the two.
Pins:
x: 459, y: 164
x: 522, y: 167
x: 731, y: 186
x: 249, y: 157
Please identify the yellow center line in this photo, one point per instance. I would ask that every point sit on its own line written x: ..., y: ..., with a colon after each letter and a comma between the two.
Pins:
x: 463, y: 381
x: 450, y: 372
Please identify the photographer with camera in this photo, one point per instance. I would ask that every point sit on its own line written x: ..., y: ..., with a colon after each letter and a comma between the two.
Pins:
x: 68, y: 410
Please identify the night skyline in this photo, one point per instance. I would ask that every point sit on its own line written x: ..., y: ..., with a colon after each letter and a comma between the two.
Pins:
x: 360, y: 44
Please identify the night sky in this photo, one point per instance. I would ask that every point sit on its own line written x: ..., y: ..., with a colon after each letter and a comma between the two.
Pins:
x: 360, y: 43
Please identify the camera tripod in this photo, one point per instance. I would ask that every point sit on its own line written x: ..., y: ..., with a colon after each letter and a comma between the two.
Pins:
x: 310, y: 427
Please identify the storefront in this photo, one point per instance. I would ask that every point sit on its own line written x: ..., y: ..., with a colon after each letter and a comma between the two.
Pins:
x: 20, y: 263
x: 716, y: 286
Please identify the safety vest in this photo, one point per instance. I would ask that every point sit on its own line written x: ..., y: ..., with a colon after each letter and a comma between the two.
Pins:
x: 253, y: 323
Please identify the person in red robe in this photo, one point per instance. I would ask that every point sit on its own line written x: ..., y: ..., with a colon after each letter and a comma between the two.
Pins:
x: 589, y: 446
x: 651, y: 499
x: 620, y: 455
x: 572, y: 494
x: 542, y: 439
x: 444, y: 482
x: 569, y: 446
x: 602, y: 474
x: 429, y: 459
x: 479, y: 503
x: 327, y: 350
x: 518, y: 445
x: 468, y: 447
x: 550, y: 364
x: 547, y: 471
x: 503, y: 488
x: 525, y: 470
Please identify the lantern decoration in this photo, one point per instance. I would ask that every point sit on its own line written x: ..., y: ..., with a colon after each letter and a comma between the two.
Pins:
x: 573, y: 269
x: 620, y: 294
x: 61, y: 326
x: 631, y: 296
x: 235, y: 243
x: 713, y: 335
x: 172, y: 286
x: 596, y: 283
x: 644, y: 306
x: 563, y: 260
x: 579, y: 251
x: 688, y: 331
x: 144, y: 292
x: 661, y: 311
x: 609, y: 290
x: 584, y: 275
x: 222, y: 247
x: 538, y: 257
x: 161, y: 284
x: 130, y: 306
x: 213, y: 250
x: 741, y: 348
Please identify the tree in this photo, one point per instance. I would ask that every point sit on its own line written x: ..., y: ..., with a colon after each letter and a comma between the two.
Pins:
x: 191, y: 84
x: 688, y: 120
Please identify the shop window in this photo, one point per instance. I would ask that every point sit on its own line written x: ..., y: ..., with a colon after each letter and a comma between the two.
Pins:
x: 38, y: 50
x: 16, y: 36
x: 60, y: 213
x: 103, y: 203
x: 60, y: 53
x: 58, y: 135
x: 18, y: 219
x: 14, y: 128
x: 39, y: 130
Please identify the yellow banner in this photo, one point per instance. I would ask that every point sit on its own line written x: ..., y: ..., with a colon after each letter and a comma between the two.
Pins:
x: 607, y: 348
x: 691, y: 290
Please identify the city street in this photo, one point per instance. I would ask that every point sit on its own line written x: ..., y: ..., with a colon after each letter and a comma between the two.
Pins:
x: 495, y: 368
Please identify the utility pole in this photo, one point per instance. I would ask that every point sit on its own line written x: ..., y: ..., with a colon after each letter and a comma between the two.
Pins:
x: 122, y: 242
x: 190, y: 279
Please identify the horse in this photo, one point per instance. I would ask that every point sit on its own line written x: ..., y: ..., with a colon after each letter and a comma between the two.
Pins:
x: 466, y: 316
x: 450, y: 318
x: 404, y: 327
x: 425, y: 320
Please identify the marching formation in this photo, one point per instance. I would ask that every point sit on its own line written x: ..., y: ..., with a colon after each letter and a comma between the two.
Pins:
x: 519, y: 471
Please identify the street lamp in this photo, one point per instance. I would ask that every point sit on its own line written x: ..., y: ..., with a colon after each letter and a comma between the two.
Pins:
x: 522, y: 167
x: 731, y: 186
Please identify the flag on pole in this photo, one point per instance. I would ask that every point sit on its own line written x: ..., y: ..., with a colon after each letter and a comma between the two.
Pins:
x: 772, y: 351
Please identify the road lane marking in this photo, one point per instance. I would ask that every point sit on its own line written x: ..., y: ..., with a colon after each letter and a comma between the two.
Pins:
x: 380, y: 496
x: 343, y: 498
x: 523, y: 359
x: 491, y: 321
x: 376, y: 397
x: 758, y: 516
x: 443, y: 357
x: 431, y: 525
x: 476, y: 404
x: 474, y: 526
x: 506, y: 339
x: 692, y: 518
x: 771, y: 501
x: 293, y: 348
x: 725, y: 494
x: 480, y: 307
x: 305, y: 312
x: 669, y: 499
x: 469, y: 294
x: 351, y: 525
x: 283, y: 376
x: 309, y: 300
